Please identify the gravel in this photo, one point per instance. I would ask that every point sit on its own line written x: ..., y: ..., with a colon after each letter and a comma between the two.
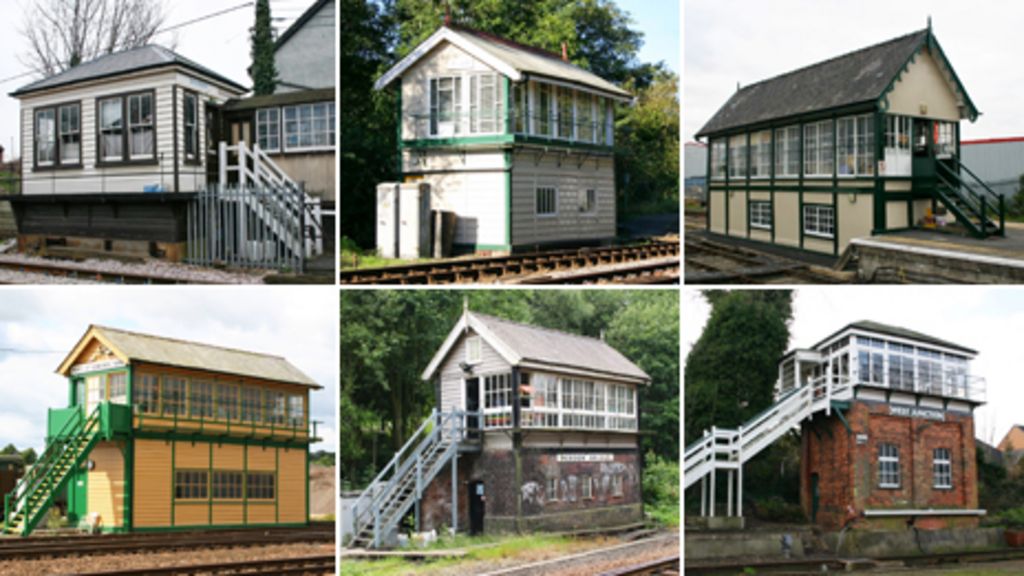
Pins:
x: 160, y: 268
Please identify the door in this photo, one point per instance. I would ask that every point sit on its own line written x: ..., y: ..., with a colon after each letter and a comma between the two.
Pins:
x: 95, y: 392
x: 477, y: 505
x: 445, y: 95
x: 923, y: 162
x: 815, y: 497
x: 473, y: 407
x: 213, y: 137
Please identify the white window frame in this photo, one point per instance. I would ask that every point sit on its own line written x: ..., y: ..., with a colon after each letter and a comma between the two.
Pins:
x: 617, y: 485
x: 738, y: 157
x: 119, y: 130
x: 587, y: 487
x: 195, y: 139
x: 145, y: 124
x: 273, y: 128
x: 588, y: 201
x: 813, y: 226
x: 759, y: 210
x: 476, y: 110
x: 761, y: 155
x: 719, y: 157
x: 49, y: 114
x: 898, y: 139
x: 787, y: 150
x: 551, y: 490
x: 545, y: 117
x: 942, y: 469
x: 862, y: 131
x: 328, y: 117
x: 496, y: 392
x: 474, y: 350
x: 889, y: 466
x: 565, y: 113
x: 543, y: 203
x: 816, y: 155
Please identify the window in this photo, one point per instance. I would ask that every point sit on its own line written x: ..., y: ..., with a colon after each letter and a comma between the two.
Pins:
x: 46, y: 138
x: 80, y: 392
x: 787, y: 151
x: 141, y: 143
x: 585, y: 117
x: 296, y: 411
x: 521, y: 110
x: 268, y: 129
x: 497, y: 391
x: 945, y: 139
x: 760, y: 214
x: 538, y: 394
x: 190, y: 484
x: 552, y: 490
x: 260, y: 486
x: 566, y: 119
x: 718, y: 156
x: 901, y: 366
x: 819, y: 220
x: 942, y: 468
x: 226, y: 485
x: 547, y: 204
x: 617, y: 485
x: 118, y: 384
x: 929, y: 370
x: 738, y: 157
x: 587, y: 485
x: 888, y: 466
x: 276, y: 408
x: 870, y: 360
x: 818, y: 147
x: 444, y: 105
x: 761, y: 154
x: 309, y: 126
x: 70, y: 127
x: 146, y: 394
x: 606, y: 121
x: 227, y: 402
x: 474, y: 350
x: 111, y: 123
x: 174, y: 396
x: 855, y: 137
x: 484, y: 101
x: 201, y: 400
x: 250, y: 406
x: 544, y: 123
x: 191, y: 126
x: 588, y: 201
x: 94, y: 391
x: 897, y: 146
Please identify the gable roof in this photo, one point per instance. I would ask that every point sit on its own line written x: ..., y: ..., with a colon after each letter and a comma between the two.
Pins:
x: 878, y: 327
x: 147, y: 57
x: 858, y: 77
x: 532, y: 346
x: 134, y: 346
x: 511, y: 59
x: 299, y: 23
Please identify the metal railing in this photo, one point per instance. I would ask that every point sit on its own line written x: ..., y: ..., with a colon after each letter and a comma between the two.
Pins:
x: 961, y: 188
x: 595, y: 131
x: 287, y: 428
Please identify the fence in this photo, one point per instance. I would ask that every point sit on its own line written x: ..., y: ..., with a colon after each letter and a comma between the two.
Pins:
x: 247, y: 226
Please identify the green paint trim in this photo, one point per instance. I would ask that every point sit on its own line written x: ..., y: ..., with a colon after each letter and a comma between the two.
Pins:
x: 128, y: 519
x: 209, y: 487
x: 934, y: 42
x: 796, y: 119
x: 183, y: 437
x: 400, y: 162
x: 800, y: 182
x: 707, y: 183
x: 879, y: 204
x: 835, y: 185
x: 173, y: 468
x: 508, y: 197
x: 746, y: 187
x: 457, y: 141
x: 555, y: 143
x: 277, y: 485
x: 245, y: 485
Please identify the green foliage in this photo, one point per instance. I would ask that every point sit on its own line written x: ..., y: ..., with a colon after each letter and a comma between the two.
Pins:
x: 732, y: 369
x: 999, y: 490
x: 647, y: 148
x: 661, y: 489
x: 263, y: 71
x: 322, y: 458
x: 389, y: 336
x: 28, y: 455
x: 777, y: 509
x: 1012, y: 518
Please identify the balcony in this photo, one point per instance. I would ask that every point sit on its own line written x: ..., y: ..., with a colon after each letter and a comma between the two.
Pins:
x: 497, y: 126
x: 260, y: 427
x: 957, y: 386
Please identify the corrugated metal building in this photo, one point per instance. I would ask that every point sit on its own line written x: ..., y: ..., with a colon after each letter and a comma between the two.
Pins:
x: 695, y: 170
x: 999, y: 162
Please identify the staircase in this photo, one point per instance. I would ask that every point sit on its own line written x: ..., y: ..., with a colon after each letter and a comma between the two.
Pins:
x: 381, y: 507
x: 728, y: 449
x: 26, y: 506
x: 982, y: 213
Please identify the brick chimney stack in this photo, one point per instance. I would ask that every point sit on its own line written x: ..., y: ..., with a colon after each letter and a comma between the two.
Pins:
x: 565, y: 52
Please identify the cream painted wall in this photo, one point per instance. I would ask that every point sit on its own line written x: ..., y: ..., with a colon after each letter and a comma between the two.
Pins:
x: 896, y: 214
x: 718, y: 212
x: 855, y: 218
x: 738, y: 214
x: 923, y: 84
x: 787, y: 218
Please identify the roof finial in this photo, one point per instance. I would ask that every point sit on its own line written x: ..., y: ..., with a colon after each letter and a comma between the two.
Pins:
x: 737, y: 85
x: 929, y: 22
x: 465, y: 304
x: 447, y: 14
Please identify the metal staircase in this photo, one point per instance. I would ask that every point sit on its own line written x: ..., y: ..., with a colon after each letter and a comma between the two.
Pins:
x: 26, y: 506
x: 722, y: 449
x: 400, y: 485
x: 982, y: 213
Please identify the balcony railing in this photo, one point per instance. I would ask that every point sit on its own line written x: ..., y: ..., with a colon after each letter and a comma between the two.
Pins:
x: 948, y: 385
x: 277, y: 428
x: 576, y: 419
x: 498, y: 121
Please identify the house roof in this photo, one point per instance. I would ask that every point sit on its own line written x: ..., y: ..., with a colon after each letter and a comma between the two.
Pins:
x: 878, y: 327
x: 282, y: 99
x: 510, y: 58
x: 146, y: 57
x: 134, y: 346
x: 862, y: 76
x: 522, y: 344
x: 299, y: 23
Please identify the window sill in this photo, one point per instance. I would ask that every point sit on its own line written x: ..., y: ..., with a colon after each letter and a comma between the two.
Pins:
x: 304, y: 150
x: 885, y: 487
x: 56, y: 167
x: 127, y: 163
x: 761, y: 226
x: 819, y: 235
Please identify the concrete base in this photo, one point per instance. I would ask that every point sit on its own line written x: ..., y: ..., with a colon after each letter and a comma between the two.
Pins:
x: 77, y: 248
x: 882, y: 544
x: 921, y: 256
x: 745, y: 544
x: 706, y: 523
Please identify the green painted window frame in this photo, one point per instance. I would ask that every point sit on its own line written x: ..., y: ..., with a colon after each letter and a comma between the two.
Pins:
x: 191, y: 485
x: 225, y: 484
x: 259, y: 483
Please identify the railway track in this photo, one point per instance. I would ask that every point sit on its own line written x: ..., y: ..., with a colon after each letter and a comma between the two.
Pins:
x: 93, y: 274
x: 598, y: 560
x: 708, y: 262
x: 660, y: 272
x: 820, y: 565
x: 491, y: 269
x: 64, y: 546
x: 323, y: 564
x: 668, y: 566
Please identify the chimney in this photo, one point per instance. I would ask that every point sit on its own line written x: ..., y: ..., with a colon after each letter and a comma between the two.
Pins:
x: 602, y: 334
x: 565, y: 52
x: 1, y: 157
x: 447, y: 14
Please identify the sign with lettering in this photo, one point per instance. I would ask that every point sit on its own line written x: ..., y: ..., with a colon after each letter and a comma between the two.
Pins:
x: 585, y: 458
x: 917, y: 412
x: 96, y: 366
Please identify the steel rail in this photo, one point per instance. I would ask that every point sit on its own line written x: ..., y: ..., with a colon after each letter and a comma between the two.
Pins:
x: 653, y: 273
x: 667, y: 565
x: 97, y: 274
x: 321, y: 564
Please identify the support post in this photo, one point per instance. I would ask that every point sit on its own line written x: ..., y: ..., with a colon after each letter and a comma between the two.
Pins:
x: 739, y: 490
x: 728, y: 492
x: 455, y: 492
x: 712, y: 500
x: 704, y: 496
x: 419, y: 490
x: 222, y: 167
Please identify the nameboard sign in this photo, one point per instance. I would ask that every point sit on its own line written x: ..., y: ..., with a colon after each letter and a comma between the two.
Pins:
x: 915, y: 412
x: 96, y: 366
x: 585, y: 458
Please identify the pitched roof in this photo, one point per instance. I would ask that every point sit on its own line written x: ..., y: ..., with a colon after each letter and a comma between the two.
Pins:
x: 146, y: 57
x: 878, y: 327
x: 510, y: 58
x: 185, y: 354
x: 525, y: 344
x: 854, y: 78
x: 299, y: 23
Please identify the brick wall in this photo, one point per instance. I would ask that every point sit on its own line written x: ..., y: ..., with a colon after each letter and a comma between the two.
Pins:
x: 848, y: 470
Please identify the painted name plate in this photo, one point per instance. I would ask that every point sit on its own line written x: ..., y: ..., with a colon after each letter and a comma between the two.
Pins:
x: 914, y: 412
x: 585, y: 458
x: 96, y: 366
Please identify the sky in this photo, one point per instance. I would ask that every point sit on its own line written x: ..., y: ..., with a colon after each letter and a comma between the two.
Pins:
x: 220, y: 43
x: 43, y: 324
x: 981, y: 318
x: 730, y: 41
x: 659, y: 21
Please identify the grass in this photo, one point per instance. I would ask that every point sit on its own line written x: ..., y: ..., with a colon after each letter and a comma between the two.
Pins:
x: 353, y: 257
x: 8, y: 184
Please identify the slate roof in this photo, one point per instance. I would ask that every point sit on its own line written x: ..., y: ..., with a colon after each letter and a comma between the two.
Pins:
x: 194, y: 355
x: 143, y: 58
x: 878, y: 327
x: 853, y: 78
x: 299, y: 23
x: 547, y: 346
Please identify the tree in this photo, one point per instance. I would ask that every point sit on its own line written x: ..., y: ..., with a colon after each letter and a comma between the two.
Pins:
x: 731, y: 370
x: 647, y: 147
x: 263, y: 71
x: 29, y: 456
x: 63, y: 34
x: 9, y: 450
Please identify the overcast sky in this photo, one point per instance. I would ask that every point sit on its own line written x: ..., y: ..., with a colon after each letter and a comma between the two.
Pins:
x: 976, y: 317
x: 43, y: 325
x: 220, y: 43
x: 730, y: 41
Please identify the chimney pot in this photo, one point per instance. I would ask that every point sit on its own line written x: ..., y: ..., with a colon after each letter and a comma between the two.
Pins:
x: 565, y: 52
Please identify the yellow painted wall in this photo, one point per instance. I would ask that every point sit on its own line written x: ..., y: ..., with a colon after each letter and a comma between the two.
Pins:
x: 737, y: 213
x: 787, y: 218
x: 923, y: 84
x: 291, y: 478
x: 717, y: 207
x: 152, y: 503
x: 106, y: 484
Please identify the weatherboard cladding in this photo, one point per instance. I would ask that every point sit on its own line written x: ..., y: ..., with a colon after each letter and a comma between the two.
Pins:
x: 854, y: 78
x: 878, y: 327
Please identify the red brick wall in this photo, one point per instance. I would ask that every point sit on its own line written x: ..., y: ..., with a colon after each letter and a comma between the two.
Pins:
x: 848, y: 472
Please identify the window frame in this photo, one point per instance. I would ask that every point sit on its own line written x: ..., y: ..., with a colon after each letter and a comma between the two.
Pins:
x: 816, y: 231
x: 277, y: 132
x: 761, y: 143
x: 476, y: 90
x: 197, y: 139
x: 537, y: 201
x: 719, y: 158
x: 228, y: 486
x: 885, y: 461
x: 126, y: 158
x: 818, y: 149
x: 57, y: 163
x: 787, y: 148
x: 588, y: 201
x: 551, y: 489
x: 434, y: 109
x: 738, y: 167
x: 757, y: 222
x: 261, y: 490
x: 195, y: 480
x: 942, y: 469
x: 330, y: 111
x: 867, y: 142
x: 474, y: 349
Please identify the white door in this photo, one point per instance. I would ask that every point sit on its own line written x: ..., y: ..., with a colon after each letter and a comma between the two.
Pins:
x: 94, y: 392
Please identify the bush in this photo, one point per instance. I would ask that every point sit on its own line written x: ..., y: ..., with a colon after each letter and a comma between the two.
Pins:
x: 775, y: 509
x: 661, y: 489
x: 1012, y: 518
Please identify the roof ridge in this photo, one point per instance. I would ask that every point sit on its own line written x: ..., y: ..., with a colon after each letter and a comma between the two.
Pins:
x: 501, y: 39
x: 544, y: 328
x: 183, y: 341
x: 834, y: 58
